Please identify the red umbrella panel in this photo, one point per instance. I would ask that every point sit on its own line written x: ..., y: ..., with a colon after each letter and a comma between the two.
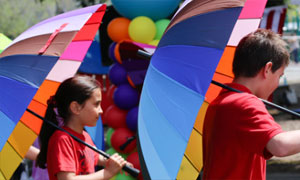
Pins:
x: 31, y: 69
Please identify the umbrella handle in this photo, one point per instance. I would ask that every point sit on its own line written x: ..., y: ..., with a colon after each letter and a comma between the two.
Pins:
x: 132, y: 171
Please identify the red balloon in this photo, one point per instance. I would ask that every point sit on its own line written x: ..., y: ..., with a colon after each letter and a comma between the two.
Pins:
x: 110, y: 92
x: 133, y: 158
x: 120, y: 137
x: 115, y: 117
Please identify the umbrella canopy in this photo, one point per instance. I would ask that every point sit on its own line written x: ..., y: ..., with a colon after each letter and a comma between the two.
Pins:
x: 31, y: 69
x: 197, y: 47
x: 4, y: 42
x: 92, y: 63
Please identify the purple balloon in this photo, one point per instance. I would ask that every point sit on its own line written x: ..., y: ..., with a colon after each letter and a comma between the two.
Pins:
x: 126, y: 97
x: 117, y: 74
x: 132, y: 118
x: 111, y: 52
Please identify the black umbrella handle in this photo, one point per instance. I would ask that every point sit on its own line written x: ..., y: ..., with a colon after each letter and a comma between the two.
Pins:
x: 132, y: 171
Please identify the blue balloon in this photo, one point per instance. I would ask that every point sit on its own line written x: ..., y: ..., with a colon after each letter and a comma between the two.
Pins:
x: 117, y: 74
x: 132, y: 118
x: 126, y: 97
x: 154, y: 9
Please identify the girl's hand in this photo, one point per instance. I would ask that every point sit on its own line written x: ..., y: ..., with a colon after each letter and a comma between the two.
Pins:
x: 115, y: 164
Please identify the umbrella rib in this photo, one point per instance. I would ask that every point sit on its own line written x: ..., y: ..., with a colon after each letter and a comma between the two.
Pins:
x: 223, y: 74
x: 15, y: 149
x: 191, y: 162
x: 2, y: 172
x: 197, y: 130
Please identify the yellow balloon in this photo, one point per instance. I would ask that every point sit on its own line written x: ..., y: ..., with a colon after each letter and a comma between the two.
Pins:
x: 142, y: 29
x: 154, y: 42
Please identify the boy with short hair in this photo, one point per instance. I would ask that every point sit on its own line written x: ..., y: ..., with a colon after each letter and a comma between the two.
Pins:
x: 239, y: 134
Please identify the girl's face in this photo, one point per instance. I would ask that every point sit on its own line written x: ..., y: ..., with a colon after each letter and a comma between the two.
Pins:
x: 91, y: 109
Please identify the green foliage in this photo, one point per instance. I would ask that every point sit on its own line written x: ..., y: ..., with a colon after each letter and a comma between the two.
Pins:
x: 85, y: 3
x: 19, y: 15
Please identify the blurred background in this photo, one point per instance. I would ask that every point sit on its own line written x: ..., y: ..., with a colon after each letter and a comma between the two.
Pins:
x: 282, y: 16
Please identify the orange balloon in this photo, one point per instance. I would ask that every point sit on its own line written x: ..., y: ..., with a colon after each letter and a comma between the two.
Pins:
x: 117, y: 53
x: 117, y: 29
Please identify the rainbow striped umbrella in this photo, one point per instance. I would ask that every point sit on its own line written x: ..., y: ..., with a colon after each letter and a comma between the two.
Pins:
x: 31, y: 69
x: 197, y: 47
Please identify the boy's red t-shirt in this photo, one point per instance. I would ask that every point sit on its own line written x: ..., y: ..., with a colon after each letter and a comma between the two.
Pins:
x: 66, y: 154
x: 237, y: 128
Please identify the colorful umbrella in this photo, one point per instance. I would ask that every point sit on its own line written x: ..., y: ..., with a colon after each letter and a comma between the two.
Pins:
x: 4, y: 42
x: 31, y: 69
x: 197, y: 47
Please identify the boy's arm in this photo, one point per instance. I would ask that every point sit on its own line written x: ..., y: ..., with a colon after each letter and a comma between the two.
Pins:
x: 285, y: 144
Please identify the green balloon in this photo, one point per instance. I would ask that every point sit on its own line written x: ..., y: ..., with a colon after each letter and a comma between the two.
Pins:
x: 124, y: 155
x: 113, y: 178
x: 161, y: 26
x: 112, y: 151
x: 124, y: 177
x: 108, y: 136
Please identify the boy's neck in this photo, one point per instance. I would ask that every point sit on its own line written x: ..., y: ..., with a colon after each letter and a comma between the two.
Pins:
x: 252, y: 83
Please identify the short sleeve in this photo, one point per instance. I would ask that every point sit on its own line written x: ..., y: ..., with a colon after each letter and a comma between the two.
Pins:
x: 60, y: 156
x: 256, y: 126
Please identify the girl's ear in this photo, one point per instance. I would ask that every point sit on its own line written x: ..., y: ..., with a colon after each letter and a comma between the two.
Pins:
x: 75, y: 107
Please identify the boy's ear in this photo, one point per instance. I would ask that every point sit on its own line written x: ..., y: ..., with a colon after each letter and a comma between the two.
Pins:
x: 268, y: 68
x: 75, y: 107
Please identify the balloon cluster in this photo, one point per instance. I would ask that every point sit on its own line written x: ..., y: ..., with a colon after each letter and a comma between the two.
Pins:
x: 144, y: 22
x: 141, y: 29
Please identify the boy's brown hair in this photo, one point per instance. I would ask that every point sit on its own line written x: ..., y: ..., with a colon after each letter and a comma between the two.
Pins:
x: 256, y: 49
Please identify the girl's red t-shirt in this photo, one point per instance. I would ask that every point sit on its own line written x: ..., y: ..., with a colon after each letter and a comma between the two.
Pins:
x: 67, y: 155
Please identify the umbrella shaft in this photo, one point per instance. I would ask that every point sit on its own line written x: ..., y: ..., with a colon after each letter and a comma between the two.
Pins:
x: 268, y: 103
x: 132, y: 171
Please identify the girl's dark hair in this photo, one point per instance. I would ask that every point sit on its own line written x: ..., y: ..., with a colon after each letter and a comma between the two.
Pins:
x: 77, y: 88
x: 256, y: 49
